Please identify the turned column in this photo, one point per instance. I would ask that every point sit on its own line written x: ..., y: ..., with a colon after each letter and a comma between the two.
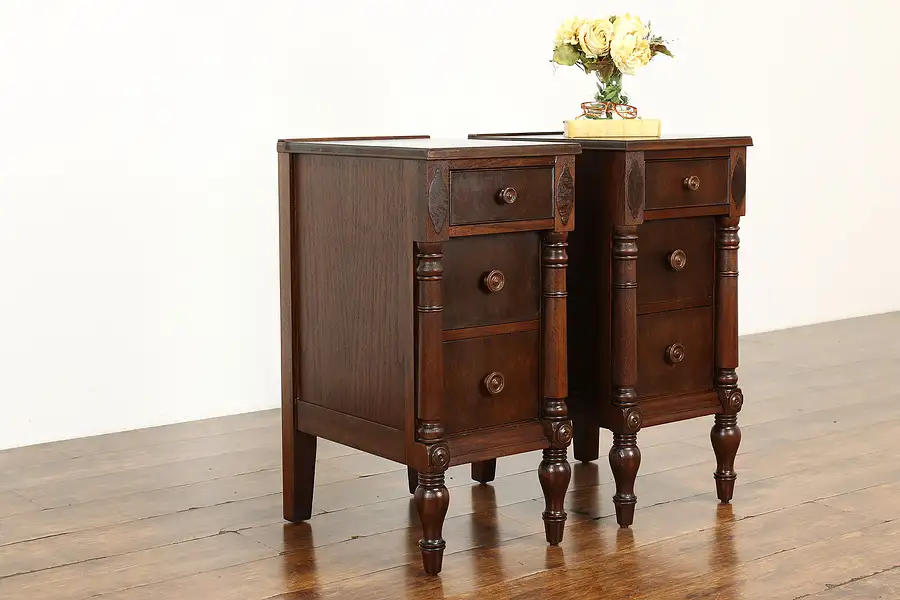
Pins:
x: 555, y: 472
x: 725, y: 434
x: 431, y: 496
x: 624, y: 456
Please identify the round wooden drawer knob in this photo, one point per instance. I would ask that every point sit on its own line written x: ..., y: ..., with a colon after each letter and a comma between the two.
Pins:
x: 508, y: 195
x: 677, y: 260
x: 494, y: 281
x: 675, y: 354
x: 494, y: 383
x: 692, y: 183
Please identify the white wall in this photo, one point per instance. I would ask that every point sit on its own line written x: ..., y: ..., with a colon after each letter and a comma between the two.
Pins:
x: 138, y: 220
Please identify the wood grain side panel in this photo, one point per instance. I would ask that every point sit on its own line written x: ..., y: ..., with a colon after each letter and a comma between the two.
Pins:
x: 354, y: 256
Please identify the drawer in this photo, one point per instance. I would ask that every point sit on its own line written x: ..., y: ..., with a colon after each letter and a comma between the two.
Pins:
x: 676, y: 262
x: 491, y: 381
x: 493, y: 195
x: 490, y: 279
x: 675, y: 352
x: 688, y: 182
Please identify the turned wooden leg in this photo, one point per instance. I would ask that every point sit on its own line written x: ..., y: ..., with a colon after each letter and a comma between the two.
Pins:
x: 299, y: 478
x: 432, y: 500
x: 726, y: 438
x: 484, y: 471
x: 554, y: 475
x: 625, y: 460
x: 586, y: 422
x: 413, y: 477
x: 554, y: 471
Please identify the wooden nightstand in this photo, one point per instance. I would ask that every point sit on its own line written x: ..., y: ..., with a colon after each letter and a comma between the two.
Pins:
x: 653, y: 295
x: 424, y: 311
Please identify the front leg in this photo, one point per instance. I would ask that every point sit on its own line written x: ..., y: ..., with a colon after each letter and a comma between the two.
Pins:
x: 624, y: 456
x: 432, y: 500
x: 554, y: 472
x: 726, y: 438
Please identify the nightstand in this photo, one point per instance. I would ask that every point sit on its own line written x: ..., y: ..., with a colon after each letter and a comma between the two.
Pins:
x: 423, y: 303
x: 653, y: 304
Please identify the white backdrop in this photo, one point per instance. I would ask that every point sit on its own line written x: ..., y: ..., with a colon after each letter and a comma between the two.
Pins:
x: 138, y: 223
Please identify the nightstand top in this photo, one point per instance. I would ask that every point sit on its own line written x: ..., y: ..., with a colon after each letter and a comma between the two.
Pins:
x: 423, y: 147
x: 666, y: 142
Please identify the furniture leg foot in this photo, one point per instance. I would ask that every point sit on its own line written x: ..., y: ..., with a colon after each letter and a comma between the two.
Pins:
x: 726, y: 438
x: 587, y: 439
x: 484, y: 471
x: 625, y: 460
x: 554, y: 475
x: 300, y: 481
x: 432, y: 500
x: 413, y: 478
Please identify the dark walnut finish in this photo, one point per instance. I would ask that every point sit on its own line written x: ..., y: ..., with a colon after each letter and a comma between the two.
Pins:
x: 653, y: 303
x: 424, y: 312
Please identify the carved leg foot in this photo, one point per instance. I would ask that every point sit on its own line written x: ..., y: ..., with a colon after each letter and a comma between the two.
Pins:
x: 413, y: 477
x: 298, y: 485
x: 726, y: 438
x: 432, y: 500
x: 625, y: 460
x: 484, y: 471
x: 554, y: 475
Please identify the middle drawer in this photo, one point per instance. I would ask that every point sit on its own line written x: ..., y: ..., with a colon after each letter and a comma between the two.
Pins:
x: 491, y: 279
x: 491, y: 381
x: 676, y: 263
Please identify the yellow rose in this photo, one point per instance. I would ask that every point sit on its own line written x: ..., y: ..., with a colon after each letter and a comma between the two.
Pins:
x: 568, y: 32
x: 628, y: 47
x: 639, y: 57
x: 594, y: 37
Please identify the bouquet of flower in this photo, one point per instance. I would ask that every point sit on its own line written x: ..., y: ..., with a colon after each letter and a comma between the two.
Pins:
x: 609, y: 48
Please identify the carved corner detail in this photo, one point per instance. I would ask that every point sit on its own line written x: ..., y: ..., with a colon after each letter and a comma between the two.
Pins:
x: 438, y: 200
x: 633, y: 419
x: 439, y: 455
x: 565, y: 191
x: 732, y: 400
x: 739, y: 181
x: 635, y: 185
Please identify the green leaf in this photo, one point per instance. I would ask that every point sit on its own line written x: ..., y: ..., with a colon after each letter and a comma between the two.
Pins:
x: 566, y: 55
x: 661, y: 49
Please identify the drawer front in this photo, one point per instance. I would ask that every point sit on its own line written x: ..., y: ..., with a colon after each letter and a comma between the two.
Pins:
x: 675, y: 352
x: 490, y: 279
x: 494, y: 195
x: 676, y: 262
x: 688, y: 182
x: 491, y: 381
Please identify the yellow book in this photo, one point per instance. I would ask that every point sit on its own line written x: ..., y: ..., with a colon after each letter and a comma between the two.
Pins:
x: 602, y: 128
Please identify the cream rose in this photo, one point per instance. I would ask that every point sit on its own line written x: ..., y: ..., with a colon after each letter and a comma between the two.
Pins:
x: 628, y: 48
x: 594, y: 37
x: 639, y: 57
x: 568, y: 32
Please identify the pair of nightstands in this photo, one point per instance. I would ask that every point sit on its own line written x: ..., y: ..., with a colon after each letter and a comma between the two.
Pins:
x: 425, y: 305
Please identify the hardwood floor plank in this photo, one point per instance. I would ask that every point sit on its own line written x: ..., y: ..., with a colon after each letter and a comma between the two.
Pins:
x: 801, y: 570
x: 167, y: 434
x: 12, y: 503
x: 881, y: 501
x: 118, y: 573
x: 100, y: 464
x: 91, y: 515
x: 135, y: 536
x: 28, y: 456
x: 264, y: 578
x: 123, y: 483
x: 884, y: 585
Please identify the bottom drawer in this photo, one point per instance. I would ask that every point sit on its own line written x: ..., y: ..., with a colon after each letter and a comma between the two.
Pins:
x: 675, y: 352
x: 491, y: 380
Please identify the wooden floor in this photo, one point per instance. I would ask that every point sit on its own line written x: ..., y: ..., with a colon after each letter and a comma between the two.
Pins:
x: 192, y: 511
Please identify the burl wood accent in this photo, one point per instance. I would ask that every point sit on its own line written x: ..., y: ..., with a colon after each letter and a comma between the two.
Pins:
x: 412, y: 321
x: 654, y: 331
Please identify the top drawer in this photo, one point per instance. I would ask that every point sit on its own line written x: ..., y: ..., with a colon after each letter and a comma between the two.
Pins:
x: 686, y: 182
x: 492, y: 195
